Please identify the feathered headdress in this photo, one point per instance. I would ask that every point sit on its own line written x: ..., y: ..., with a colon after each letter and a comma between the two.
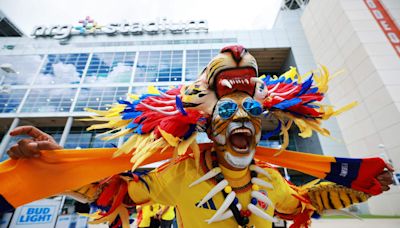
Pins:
x: 162, y: 119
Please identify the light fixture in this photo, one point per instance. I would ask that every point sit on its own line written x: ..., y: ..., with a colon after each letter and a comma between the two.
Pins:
x: 8, y: 68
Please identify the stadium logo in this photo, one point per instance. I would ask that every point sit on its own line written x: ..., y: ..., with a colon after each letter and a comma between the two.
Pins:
x: 90, y: 27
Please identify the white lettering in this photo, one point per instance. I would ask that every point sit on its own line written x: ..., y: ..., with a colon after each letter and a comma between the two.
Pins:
x: 378, y: 14
x: 393, y: 37
x: 345, y: 169
x: 371, y: 4
x: 152, y: 28
x: 385, y: 25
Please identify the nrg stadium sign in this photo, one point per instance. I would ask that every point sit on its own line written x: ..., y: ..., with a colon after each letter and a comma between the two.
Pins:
x: 89, y: 27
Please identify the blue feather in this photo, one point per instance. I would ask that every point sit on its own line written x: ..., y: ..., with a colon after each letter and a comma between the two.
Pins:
x: 179, y: 106
x: 305, y: 86
x: 132, y: 125
x: 312, y: 90
x: 272, y: 133
x: 124, y: 102
x: 131, y: 115
x: 287, y: 103
x: 139, y: 130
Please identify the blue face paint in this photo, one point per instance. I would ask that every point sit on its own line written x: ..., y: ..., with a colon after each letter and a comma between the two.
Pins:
x: 226, y: 109
x: 252, y: 107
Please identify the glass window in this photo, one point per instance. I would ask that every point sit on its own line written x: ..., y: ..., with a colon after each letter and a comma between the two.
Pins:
x: 19, y: 69
x: 62, y: 68
x: 99, y: 98
x: 110, y: 67
x: 10, y: 100
x: 49, y: 100
x: 159, y: 66
x: 79, y: 137
x: 196, y: 60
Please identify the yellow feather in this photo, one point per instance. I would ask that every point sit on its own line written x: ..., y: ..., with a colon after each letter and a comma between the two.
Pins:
x: 153, y: 90
x: 184, y: 145
x: 172, y: 140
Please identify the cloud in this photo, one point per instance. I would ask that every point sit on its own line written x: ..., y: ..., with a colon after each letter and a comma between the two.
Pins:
x: 26, y: 67
x: 63, y: 74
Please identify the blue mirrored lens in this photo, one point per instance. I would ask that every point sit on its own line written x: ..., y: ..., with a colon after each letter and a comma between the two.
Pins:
x: 252, y: 106
x: 226, y: 109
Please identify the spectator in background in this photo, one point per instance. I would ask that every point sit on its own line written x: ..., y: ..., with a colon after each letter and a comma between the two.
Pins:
x: 144, y: 215
x: 166, y: 214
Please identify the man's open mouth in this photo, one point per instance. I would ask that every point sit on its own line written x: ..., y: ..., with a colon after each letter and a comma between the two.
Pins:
x: 240, y: 139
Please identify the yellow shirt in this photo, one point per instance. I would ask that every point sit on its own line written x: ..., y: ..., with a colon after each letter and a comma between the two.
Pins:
x: 147, y: 213
x: 171, y: 187
x: 169, y: 214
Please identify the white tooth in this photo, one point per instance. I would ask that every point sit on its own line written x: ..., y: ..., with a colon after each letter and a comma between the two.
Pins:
x: 206, y: 176
x: 259, y: 196
x: 232, y: 81
x: 217, y: 188
x: 260, y: 171
x: 238, y: 81
x: 247, y: 81
x: 261, y: 182
x: 226, y: 83
x: 257, y: 80
x: 258, y: 212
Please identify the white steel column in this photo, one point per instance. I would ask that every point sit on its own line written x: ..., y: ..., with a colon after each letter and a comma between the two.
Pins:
x: 184, y: 66
x: 78, y: 91
x: 7, y: 137
x: 65, y: 133
x: 133, y: 71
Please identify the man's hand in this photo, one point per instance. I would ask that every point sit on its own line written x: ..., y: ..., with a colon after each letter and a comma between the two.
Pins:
x: 28, y: 148
x: 386, y: 177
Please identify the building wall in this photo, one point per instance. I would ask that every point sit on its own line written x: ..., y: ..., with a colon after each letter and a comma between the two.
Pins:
x: 343, y: 35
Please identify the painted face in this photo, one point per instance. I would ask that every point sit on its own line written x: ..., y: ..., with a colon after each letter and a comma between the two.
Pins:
x: 236, y: 128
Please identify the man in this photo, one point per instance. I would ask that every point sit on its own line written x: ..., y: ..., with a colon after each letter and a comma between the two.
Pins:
x: 221, y: 184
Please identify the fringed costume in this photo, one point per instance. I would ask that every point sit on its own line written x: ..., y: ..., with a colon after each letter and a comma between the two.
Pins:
x: 230, y: 182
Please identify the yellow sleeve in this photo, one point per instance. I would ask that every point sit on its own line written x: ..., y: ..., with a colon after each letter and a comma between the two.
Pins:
x: 283, y: 194
x: 163, y: 185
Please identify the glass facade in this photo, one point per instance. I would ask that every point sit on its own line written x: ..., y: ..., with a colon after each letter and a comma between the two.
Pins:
x: 22, y: 69
x: 159, y: 66
x: 79, y: 137
x: 49, y: 100
x: 99, y: 98
x: 110, y: 67
x: 10, y: 100
x: 62, y: 69
x: 196, y: 60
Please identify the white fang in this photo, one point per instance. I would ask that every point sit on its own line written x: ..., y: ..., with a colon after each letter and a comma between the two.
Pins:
x: 228, y: 200
x: 257, y: 211
x: 210, y: 174
x: 226, y: 83
x: 217, y: 188
x: 260, y: 171
x: 261, y: 182
x: 259, y: 196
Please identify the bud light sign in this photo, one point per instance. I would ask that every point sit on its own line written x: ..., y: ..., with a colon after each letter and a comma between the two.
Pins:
x: 42, y: 213
x: 36, y: 215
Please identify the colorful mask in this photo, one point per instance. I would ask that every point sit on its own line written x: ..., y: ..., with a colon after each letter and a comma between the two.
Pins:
x: 236, y: 128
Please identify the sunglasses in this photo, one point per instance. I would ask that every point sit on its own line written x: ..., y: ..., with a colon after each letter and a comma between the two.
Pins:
x: 227, y: 108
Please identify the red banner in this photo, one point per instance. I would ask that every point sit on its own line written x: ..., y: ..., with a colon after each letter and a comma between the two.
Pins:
x: 386, y: 23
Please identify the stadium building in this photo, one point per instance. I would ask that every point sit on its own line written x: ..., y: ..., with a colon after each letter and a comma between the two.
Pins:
x: 48, y: 77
